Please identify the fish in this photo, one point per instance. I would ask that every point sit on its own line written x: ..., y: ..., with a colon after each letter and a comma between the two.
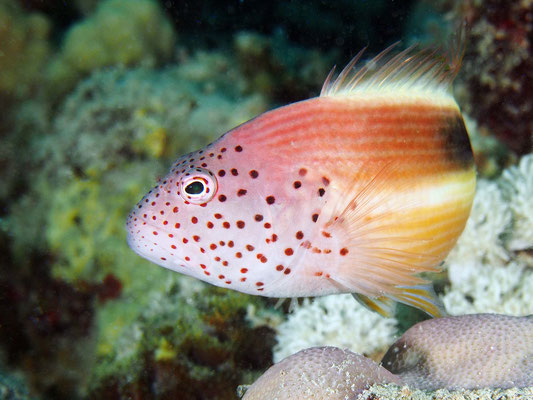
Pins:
x: 358, y: 190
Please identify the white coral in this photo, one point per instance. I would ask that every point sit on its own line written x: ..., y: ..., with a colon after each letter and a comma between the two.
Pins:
x: 336, y: 320
x: 490, y: 219
x: 488, y: 288
x: 517, y: 182
x: 485, y: 271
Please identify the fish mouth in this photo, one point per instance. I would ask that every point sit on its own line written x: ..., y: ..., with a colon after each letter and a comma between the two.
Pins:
x: 151, y: 242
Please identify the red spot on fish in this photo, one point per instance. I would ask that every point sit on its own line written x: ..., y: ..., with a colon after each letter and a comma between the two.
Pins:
x: 299, y: 235
x: 343, y: 251
x: 238, y: 149
x: 222, y: 198
x: 287, y: 271
x: 244, y: 270
x: 240, y: 224
x: 267, y: 225
x: 218, y: 216
x: 270, y: 199
x: 196, y: 238
x: 241, y: 192
x: 314, y: 217
x: 279, y: 267
x: 302, y: 172
x: 297, y: 184
x: 289, y: 251
x: 259, y: 284
x: 212, y: 246
x: 234, y: 172
x: 177, y: 225
x: 254, y: 174
x: 194, y: 220
x: 221, y: 173
x: 238, y: 254
x: 258, y: 217
x: 226, y: 224
x: 210, y: 225
x: 230, y: 243
x: 249, y: 247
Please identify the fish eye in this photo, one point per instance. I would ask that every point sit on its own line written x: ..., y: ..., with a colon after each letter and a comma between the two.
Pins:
x: 197, y: 185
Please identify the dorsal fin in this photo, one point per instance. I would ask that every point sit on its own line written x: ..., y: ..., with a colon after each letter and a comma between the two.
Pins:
x: 411, y: 69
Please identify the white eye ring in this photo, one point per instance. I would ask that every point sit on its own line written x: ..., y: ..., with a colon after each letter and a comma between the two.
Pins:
x: 198, y: 185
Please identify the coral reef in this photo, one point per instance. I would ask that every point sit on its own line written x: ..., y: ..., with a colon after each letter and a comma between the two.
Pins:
x: 496, y: 81
x: 466, y: 352
x: 321, y: 373
x: 24, y: 50
x: 336, y: 320
x: 404, y: 393
x: 483, y: 351
x: 119, y: 32
x: 108, y: 138
x: 114, y: 132
x: 187, y: 335
x: 487, y: 270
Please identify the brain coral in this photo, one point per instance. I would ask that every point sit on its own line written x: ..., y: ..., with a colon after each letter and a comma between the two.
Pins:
x: 319, y: 373
x: 469, y: 352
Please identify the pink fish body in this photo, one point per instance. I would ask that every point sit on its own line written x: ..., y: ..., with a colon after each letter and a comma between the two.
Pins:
x: 357, y: 190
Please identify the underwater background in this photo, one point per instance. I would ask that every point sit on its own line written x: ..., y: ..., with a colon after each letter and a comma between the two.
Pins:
x: 99, y: 97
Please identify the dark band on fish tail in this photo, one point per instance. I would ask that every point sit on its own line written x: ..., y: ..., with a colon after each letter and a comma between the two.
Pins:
x: 457, y: 142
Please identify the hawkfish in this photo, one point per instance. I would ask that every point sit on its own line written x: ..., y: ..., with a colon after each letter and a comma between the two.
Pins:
x: 358, y: 190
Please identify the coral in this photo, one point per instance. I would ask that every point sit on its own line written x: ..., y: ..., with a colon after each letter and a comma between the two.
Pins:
x: 24, y: 49
x: 487, y: 270
x: 106, y: 142
x: 319, y: 373
x: 496, y: 79
x: 404, y: 393
x: 336, y: 320
x: 119, y: 32
x: 477, y: 354
x: 193, y: 342
x: 517, y: 182
x: 489, y: 220
x: 466, y: 352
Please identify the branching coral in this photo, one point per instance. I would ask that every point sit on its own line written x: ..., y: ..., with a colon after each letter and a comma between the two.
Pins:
x: 336, y: 320
x: 487, y: 272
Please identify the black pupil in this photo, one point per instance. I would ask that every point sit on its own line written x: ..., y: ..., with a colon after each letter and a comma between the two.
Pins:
x: 194, y: 188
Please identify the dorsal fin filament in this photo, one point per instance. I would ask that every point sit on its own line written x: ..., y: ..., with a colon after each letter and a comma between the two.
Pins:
x: 411, y: 69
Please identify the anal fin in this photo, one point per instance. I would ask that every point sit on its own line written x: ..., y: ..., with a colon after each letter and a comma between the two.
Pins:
x: 382, y: 305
